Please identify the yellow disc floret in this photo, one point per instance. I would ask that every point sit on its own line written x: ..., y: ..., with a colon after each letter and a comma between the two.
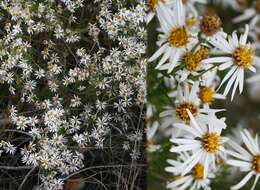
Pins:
x: 243, y: 56
x: 198, y: 172
x: 211, y: 142
x: 190, y: 22
x: 206, y: 95
x: 181, y: 111
x: 193, y: 60
x: 152, y: 4
x: 256, y: 163
x: 178, y: 37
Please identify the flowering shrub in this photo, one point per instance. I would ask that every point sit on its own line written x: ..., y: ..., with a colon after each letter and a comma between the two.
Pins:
x: 72, y: 79
x: 197, y: 64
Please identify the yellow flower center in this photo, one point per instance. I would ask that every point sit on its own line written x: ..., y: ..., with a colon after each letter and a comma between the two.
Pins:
x: 198, y: 172
x: 211, y: 142
x: 190, y: 22
x: 257, y: 6
x: 153, y: 3
x: 181, y: 111
x: 243, y: 56
x: 206, y: 95
x: 256, y: 163
x: 193, y: 60
x: 178, y: 37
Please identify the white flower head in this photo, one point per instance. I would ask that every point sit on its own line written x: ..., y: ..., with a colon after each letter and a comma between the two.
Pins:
x: 246, y: 159
x: 187, y: 98
x: 205, y: 143
x: 175, y: 39
x: 193, y: 180
x: 238, y: 55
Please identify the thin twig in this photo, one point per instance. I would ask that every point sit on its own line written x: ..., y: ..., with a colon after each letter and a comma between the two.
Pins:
x: 18, y: 131
x: 15, y: 167
x: 98, y: 167
x: 26, y: 177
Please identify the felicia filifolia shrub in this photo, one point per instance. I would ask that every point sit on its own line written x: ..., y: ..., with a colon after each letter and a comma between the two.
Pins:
x: 72, y: 76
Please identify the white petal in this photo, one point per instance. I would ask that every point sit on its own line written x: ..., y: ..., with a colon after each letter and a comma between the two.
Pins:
x: 228, y: 75
x: 182, y: 148
x: 230, y: 82
x: 239, y: 156
x: 225, y: 65
x: 187, y: 129
x: 194, y: 123
x: 247, y: 14
x: 194, y: 91
x: 235, y: 86
x: 190, y: 163
x: 248, y: 144
x: 178, y: 182
x: 184, y: 141
x: 243, y: 38
x: 256, y: 179
x: 252, y: 68
x: 166, y: 56
x: 174, y: 61
x: 239, y: 163
x: 217, y: 60
x: 240, y: 149
x: 243, y: 181
x: 158, y: 52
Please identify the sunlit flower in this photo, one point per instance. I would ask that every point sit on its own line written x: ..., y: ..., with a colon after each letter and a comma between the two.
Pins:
x: 175, y: 38
x: 235, y: 54
x: 204, y: 141
x: 187, y: 98
x: 193, y: 180
x: 247, y: 160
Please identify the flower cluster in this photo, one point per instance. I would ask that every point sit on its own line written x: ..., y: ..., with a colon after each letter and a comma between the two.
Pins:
x: 197, y: 63
x: 72, y: 74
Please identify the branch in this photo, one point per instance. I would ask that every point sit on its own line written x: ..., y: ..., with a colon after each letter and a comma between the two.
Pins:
x: 26, y: 177
x: 18, y: 131
x: 97, y: 167
x: 16, y: 167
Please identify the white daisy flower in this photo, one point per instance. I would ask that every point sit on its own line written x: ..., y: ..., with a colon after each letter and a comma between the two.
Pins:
x: 238, y: 56
x: 204, y: 142
x: 193, y: 63
x: 175, y: 39
x: 252, y: 13
x: 186, y: 99
x: 193, y: 180
x: 248, y: 160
